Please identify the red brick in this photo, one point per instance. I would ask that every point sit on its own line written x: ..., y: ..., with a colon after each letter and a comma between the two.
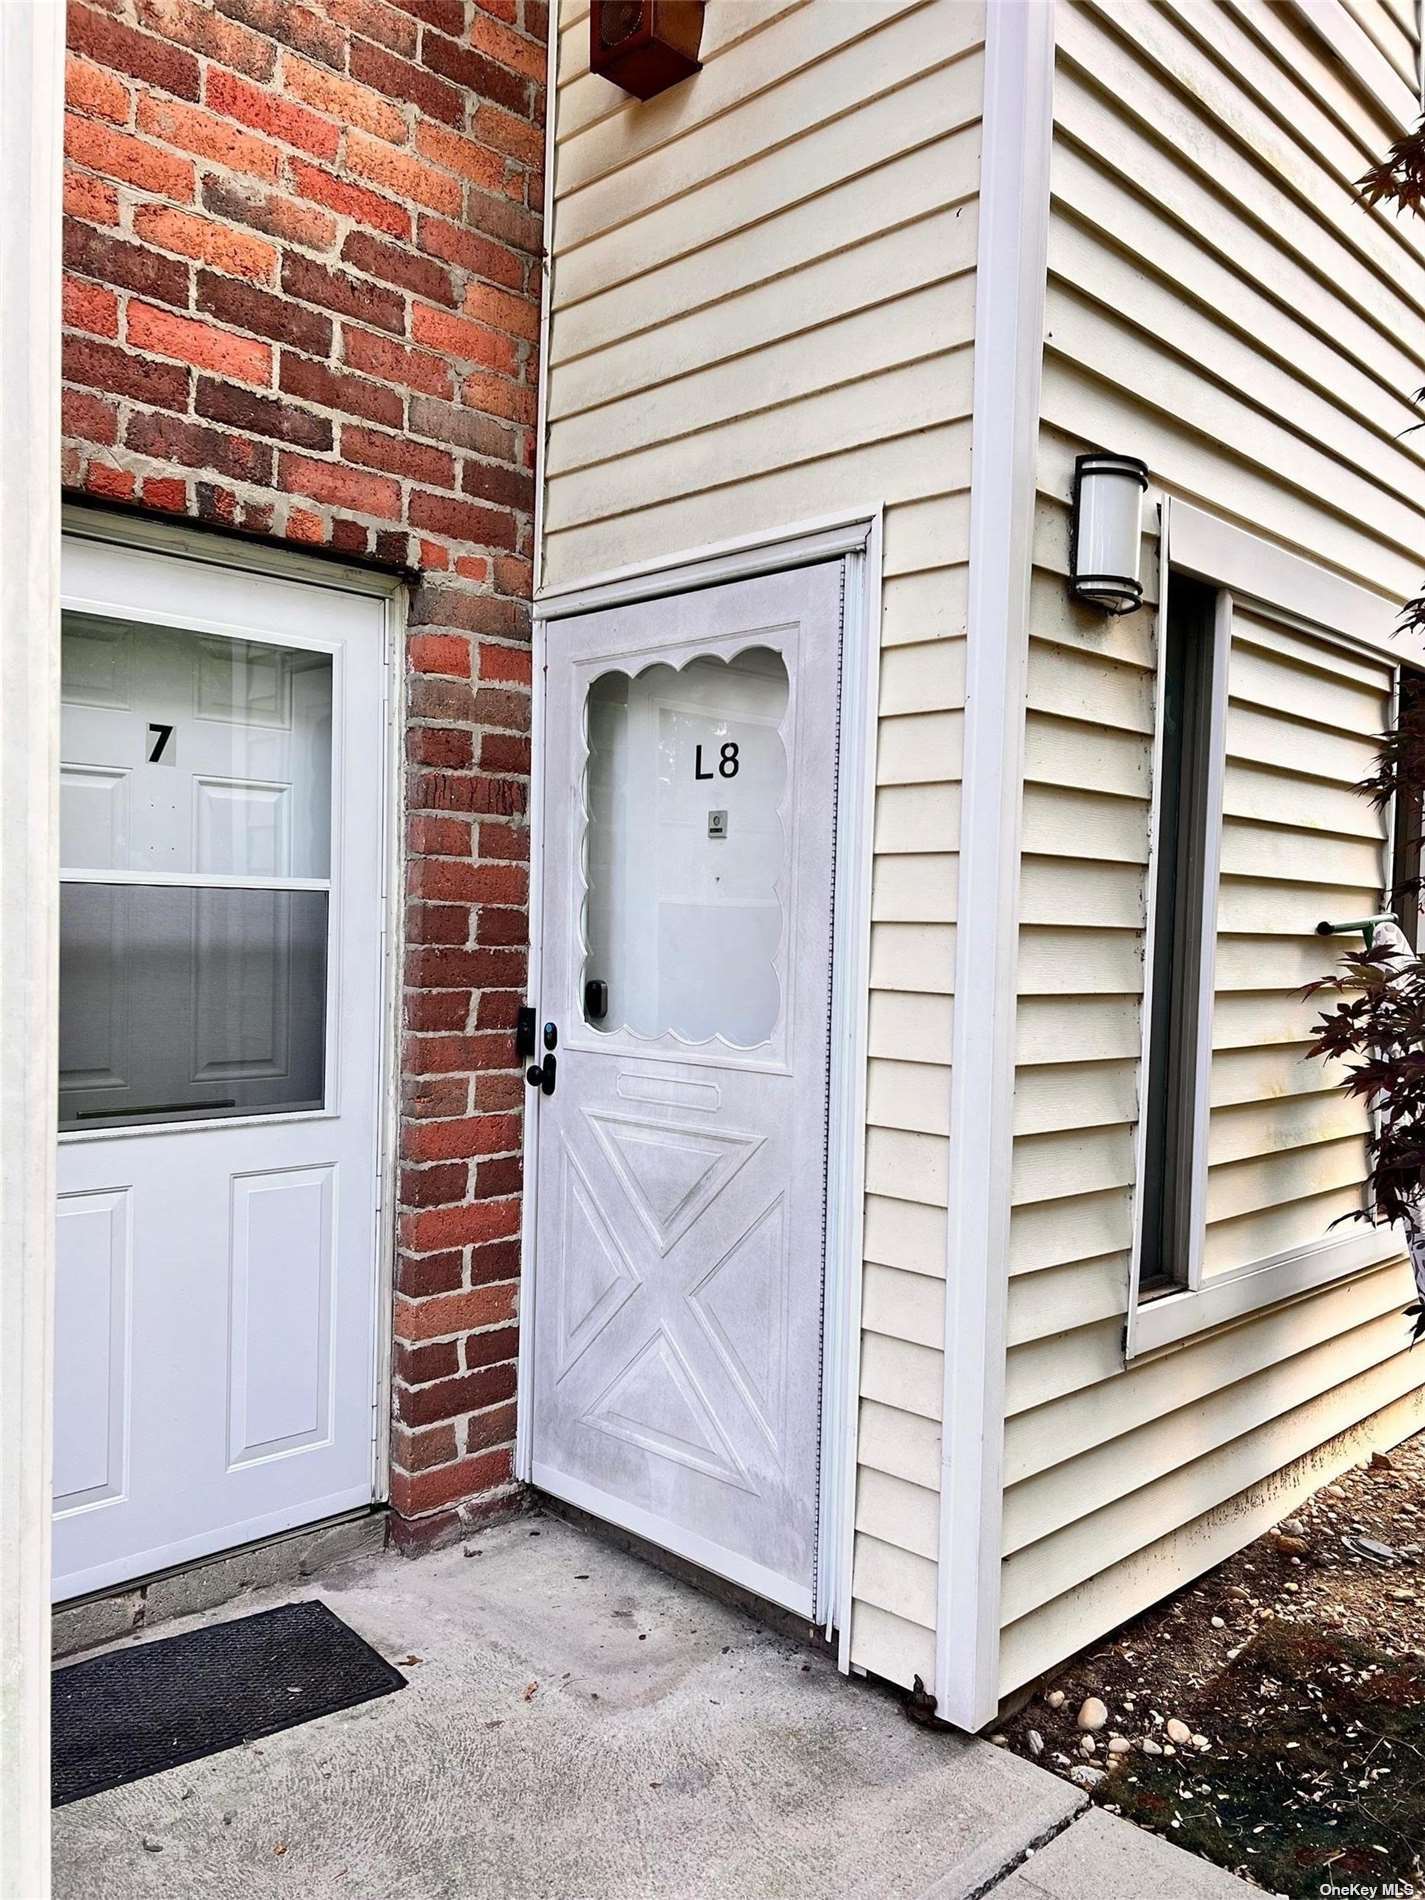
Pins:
x: 194, y: 24
x: 500, y: 310
x: 454, y: 881
x: 461, y: 520
x: 494, y: 393
x: 261, y: 415
x: 195, y: 130
x: 450, y: 1398
x: 438, y: 837
x: 397, y: 456
x: 91, y: 198
x: 472, y: 251
x: 464, y: 1137
x: 398, y: 79
x: 100, y: 254
x: 166, y: 492
x: 376, y: 21
x: 173, y: 439
x: 418, y: 1274
x: 245, y: 307
x: 166, y: 334
x: 498, y: 482
x: 439, y: 745
x: 499, y: 1260
x: 458, y: 337
x: 397, y: 266
x: 276, y: 117
x: 504, y: 841
x: 504, y: 752
x: 482, y: 77
x: 436, y: 1186
x: 474, y: 567
x: 440, y: 653
x: 459, y: 1313
x: 461, y: 428
x: 419, y: 1451
x: 329, y: 388
x: 495, y: 1426
x: 505, y: 927
x: 303, y: 525
x: 342, y: 99
x: 304, y: 278
x: 515, y: 50
x: 505, y: 663
x: 499, y: 1009
x: 352, y: 537
x: 338, y: 487
x: 505, y: 132
x: 114, y: 484
x: 352, y: 201
x: 438, y: 924
x: 217, y: 244
x: 121, y: 373
x: 458, y: 154
x: 503, y: 1176
x: 95, y: 420
x: 394, y: 362
x: 499, y: 1089
x: 514, y: 575
x: 92, y: 90
x: 508, y: 223
x: 431, y: 1010
x: 295, y: 26
x: 90, y: 307
x: 433, y: 555
x: 503, y: 706
x: 267, y: 211
x: 490, y: 1348
x: 448, y: 15
x: 432, y: 1490
x: 404, y: 176
x: 133, y: 161
x: 123, y: 49
x: 433, y: 1096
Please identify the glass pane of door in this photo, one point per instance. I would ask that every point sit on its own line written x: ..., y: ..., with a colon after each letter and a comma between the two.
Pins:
x: 684, y: 914
x: 195, y: 837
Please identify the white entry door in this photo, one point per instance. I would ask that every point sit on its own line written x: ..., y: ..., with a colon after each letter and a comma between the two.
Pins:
x: 221, y: 924
x: 689, y: 801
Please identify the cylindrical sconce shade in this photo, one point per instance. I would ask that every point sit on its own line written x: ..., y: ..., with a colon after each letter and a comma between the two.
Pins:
x: 1107, y: 531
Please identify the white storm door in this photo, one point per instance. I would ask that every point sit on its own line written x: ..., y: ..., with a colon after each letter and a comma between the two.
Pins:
x: 221, y: 927
x: 689, y: 803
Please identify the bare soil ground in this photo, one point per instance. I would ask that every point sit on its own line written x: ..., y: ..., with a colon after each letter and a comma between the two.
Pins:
x: 1293, y: 1678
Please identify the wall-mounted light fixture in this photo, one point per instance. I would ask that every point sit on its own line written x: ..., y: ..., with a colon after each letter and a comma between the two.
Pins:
x: 645, y: 46
x: 1106, y: 533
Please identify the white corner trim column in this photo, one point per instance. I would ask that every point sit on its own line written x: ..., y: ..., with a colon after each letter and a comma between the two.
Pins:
x: 31, y: 119
x: 1009, y: 330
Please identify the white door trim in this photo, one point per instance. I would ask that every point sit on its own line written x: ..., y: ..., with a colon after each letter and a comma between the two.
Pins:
x: 31, y: 113
x: 1009, y: 329
x: 215, y: 549
x: 856, y: 536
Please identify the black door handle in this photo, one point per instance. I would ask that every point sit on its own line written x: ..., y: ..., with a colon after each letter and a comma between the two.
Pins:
x: 542, y: 1075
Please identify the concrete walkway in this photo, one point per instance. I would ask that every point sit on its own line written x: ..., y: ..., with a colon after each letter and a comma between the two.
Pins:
x: 581, y: 1727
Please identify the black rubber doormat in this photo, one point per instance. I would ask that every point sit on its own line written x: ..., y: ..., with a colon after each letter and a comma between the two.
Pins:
x: 156, y: 1705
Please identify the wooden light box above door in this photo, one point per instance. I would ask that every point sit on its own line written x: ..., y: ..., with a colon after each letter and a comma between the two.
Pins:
x: 645, y: 46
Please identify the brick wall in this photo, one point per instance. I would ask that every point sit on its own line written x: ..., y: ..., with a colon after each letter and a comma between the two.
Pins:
x: 302, y: 301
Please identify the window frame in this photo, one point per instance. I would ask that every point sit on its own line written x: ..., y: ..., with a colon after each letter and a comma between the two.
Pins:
x: 1240, y: 567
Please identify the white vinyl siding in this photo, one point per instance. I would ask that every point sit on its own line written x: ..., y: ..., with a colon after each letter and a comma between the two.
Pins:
x: 762, y: 306
x: 1221, y: 304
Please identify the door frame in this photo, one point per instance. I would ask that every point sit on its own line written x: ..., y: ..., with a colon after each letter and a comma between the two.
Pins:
x: 855, y: 537
x: 214, y: 549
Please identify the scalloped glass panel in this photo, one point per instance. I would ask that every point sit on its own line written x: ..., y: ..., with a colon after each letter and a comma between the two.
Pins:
x: 685, y: 779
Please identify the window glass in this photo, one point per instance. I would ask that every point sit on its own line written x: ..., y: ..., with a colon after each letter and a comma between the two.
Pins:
x: 184, y: 1003
x: 684, y: 910
x: 190, y: 752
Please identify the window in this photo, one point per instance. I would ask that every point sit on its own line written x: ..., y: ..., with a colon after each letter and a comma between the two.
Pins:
x: 1274, y: 682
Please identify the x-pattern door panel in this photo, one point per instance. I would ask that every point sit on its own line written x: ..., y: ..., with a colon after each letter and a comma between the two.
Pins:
x: 681, y: 1158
